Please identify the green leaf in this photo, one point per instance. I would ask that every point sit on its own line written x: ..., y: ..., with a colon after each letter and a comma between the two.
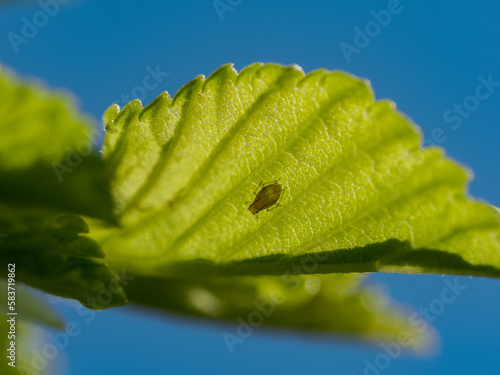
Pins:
x: 50, y: 253
x: 45, y: 153
x: 47, y: 177
x: 361, y: 193
x: 323, y: 304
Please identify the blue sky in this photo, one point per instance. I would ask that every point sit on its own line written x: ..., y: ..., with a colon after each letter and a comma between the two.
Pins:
x: 429, y: 58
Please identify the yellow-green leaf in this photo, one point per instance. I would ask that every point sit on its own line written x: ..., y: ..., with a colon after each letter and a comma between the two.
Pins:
x: 48, y: 176
x: 361, y: 194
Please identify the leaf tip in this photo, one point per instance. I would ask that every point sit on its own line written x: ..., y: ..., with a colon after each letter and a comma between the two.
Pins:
x: 111, y: 113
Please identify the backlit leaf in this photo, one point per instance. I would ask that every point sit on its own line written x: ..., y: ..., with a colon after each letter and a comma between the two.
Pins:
x: 361, y: 193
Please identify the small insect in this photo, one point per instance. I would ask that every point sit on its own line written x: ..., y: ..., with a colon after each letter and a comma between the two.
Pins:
x: 267, y: 196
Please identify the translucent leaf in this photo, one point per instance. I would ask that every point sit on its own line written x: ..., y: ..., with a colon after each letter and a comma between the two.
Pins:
x: 360, y: 192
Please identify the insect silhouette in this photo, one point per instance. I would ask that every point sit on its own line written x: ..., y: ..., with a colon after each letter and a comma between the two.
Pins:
x: 267, y: 196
